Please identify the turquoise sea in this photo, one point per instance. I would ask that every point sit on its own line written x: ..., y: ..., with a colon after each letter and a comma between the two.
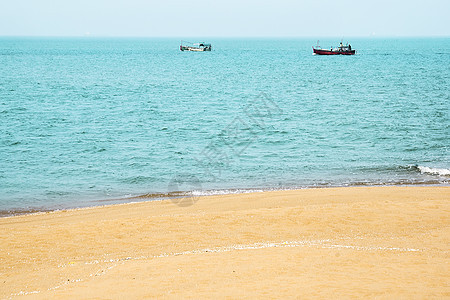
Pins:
x: 93, y: 121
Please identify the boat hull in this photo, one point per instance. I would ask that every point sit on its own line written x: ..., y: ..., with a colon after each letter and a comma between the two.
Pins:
x: 195, y: 49
x: 331, y: 52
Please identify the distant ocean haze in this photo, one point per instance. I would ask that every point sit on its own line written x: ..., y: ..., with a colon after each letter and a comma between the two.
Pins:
x: 94, y: 121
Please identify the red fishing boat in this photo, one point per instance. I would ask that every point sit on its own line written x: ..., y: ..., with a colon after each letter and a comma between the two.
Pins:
x: 341, y: 50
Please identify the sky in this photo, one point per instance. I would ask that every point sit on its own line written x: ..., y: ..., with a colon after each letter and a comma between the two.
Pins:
x: 224, y: 18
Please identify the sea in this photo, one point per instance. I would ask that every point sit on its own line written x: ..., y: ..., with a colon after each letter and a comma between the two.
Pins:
x: 92, y: 121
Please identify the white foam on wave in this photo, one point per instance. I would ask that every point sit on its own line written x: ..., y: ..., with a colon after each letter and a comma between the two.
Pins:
x: 434, y: 171
x: 224, y: 192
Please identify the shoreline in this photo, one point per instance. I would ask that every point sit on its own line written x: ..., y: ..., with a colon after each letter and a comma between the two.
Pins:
x: 360, y: 241
x: 150, y: 197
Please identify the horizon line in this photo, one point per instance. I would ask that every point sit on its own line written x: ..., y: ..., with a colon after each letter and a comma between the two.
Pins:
x: 226, y: 37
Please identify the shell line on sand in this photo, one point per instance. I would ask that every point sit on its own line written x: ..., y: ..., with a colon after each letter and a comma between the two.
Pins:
x: 325, y: 244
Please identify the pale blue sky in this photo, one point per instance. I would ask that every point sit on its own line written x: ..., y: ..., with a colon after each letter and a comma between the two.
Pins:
x: 229, y: 18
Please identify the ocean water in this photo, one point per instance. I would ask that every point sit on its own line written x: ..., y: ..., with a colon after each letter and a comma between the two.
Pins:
x: 91, y: 121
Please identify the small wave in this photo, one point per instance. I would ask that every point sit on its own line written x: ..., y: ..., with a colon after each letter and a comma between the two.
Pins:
x: 137, y: 179
x: 434, y: 171
x: 195, y: 193
x: 24, y: 211
x: 225, y: 192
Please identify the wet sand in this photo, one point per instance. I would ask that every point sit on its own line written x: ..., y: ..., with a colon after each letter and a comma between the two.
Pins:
x: 386, y: 242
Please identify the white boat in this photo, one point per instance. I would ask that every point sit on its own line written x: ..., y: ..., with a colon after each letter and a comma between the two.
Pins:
x: 198, y: 47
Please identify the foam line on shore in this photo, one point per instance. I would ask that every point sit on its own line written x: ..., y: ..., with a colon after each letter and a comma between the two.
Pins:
x: 325, y: 244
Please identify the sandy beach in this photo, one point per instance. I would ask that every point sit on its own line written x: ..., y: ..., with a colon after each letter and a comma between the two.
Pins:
x: 386, y: 242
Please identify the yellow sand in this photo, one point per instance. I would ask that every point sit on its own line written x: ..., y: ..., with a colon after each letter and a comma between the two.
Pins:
x: 386, y: 242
